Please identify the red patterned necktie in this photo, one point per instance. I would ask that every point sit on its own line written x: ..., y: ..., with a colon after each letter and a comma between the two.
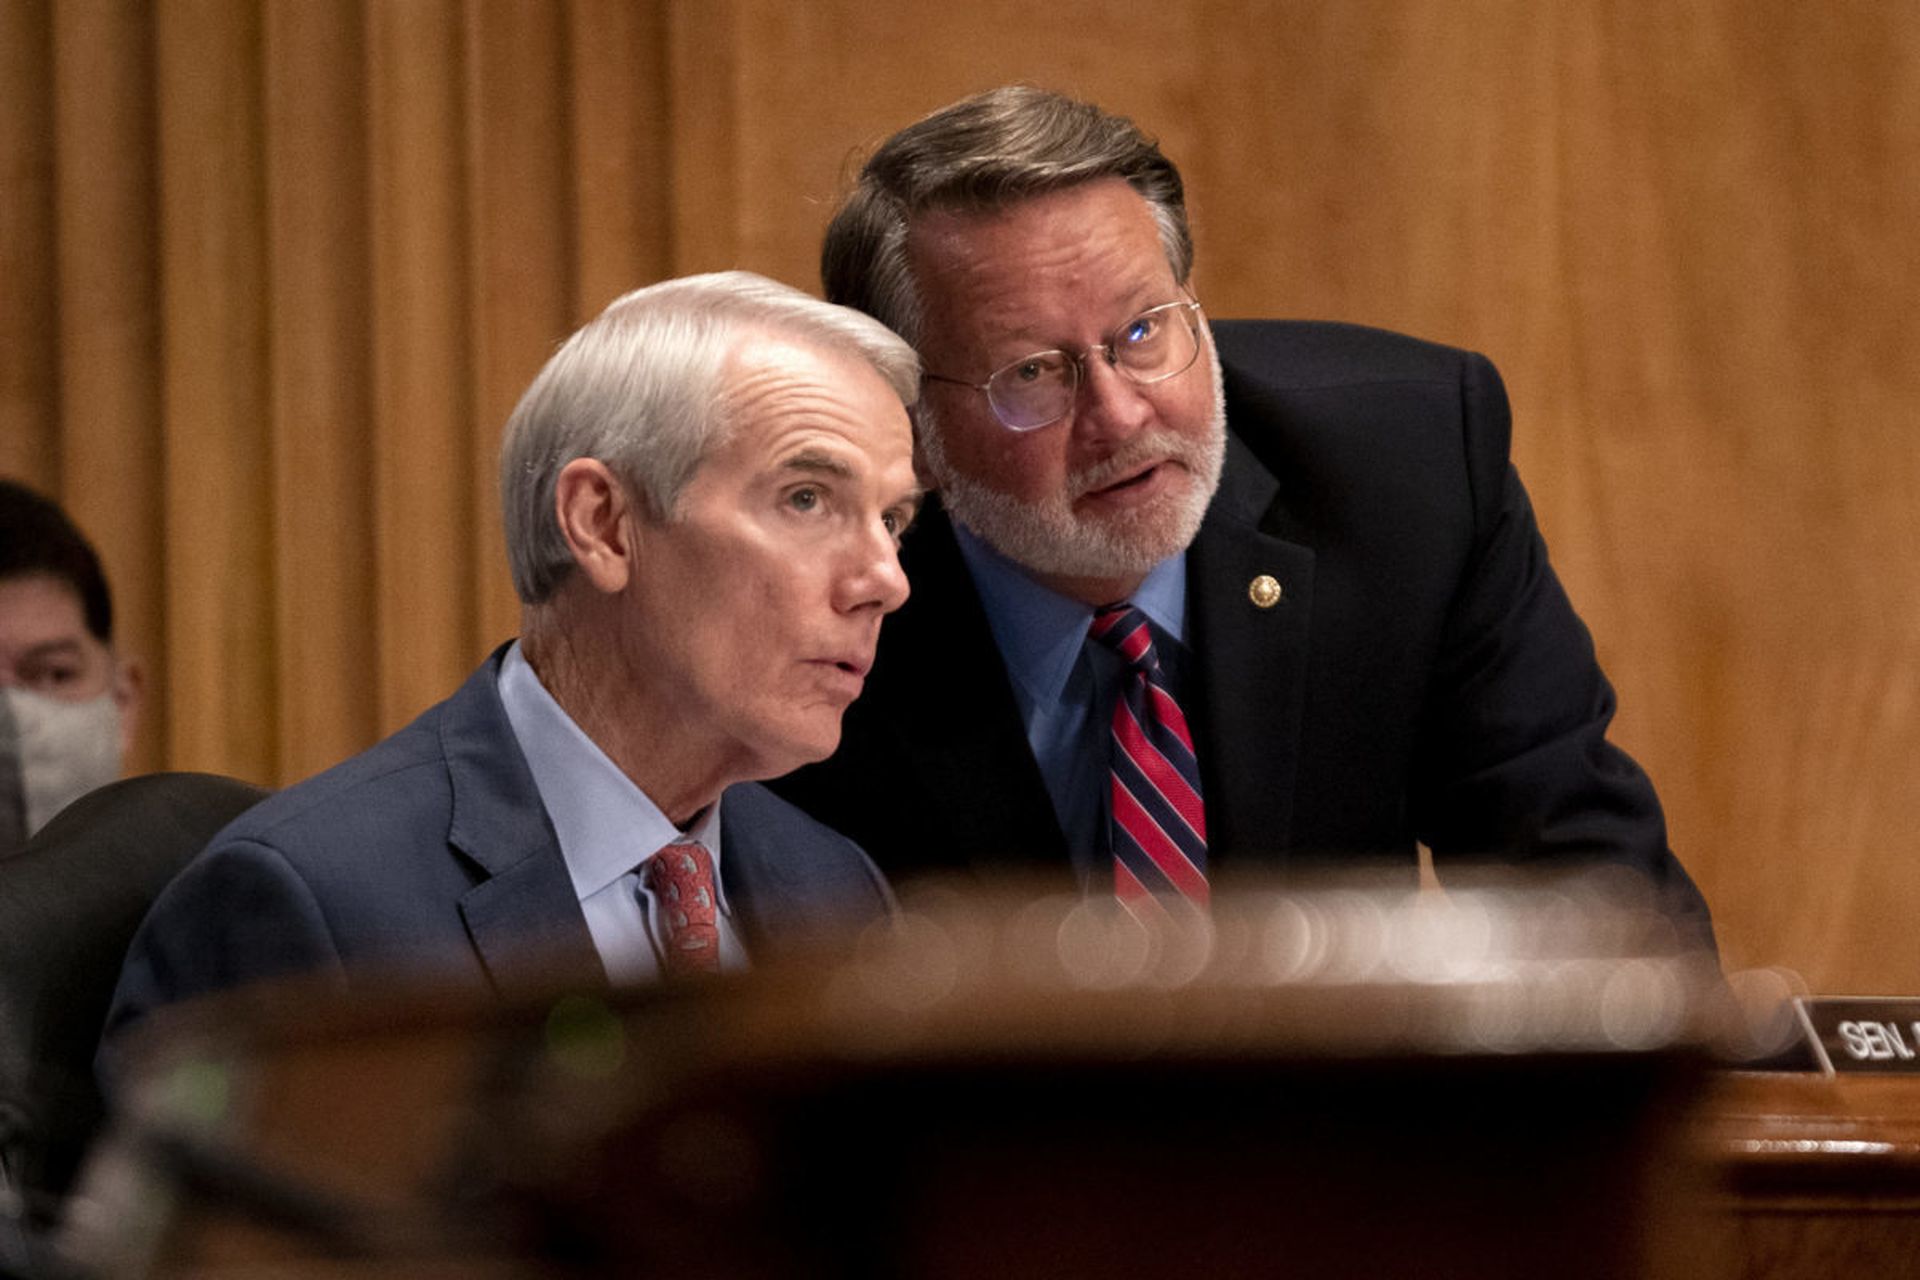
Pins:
x: 1159, y: 823
x: 680, y: 877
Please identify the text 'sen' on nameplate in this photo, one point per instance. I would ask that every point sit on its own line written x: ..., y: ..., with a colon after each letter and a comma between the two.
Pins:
x: 1874, y: 1034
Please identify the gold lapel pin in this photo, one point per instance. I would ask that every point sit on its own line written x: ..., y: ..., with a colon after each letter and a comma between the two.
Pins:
x: 1264, y: 591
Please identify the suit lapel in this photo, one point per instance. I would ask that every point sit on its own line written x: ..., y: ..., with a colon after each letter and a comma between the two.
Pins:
x: 1253, y: 662
x: 766, y: 870
x: 523, y: 917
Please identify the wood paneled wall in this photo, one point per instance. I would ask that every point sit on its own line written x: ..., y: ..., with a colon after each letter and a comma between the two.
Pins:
x: 272, y: 274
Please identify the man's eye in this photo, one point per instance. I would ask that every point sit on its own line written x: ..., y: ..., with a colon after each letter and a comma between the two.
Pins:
x: 51, y: 679
x: 1031, y: 371
x: 807, y: 499
x: 1141, y: 330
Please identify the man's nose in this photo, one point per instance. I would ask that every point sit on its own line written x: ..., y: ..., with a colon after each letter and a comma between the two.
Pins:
x: 1111, y: 405
x: 874, y: 579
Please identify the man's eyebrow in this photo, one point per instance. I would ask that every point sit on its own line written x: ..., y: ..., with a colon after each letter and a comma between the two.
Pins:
x: 813, y: 460
x: 53, y: 648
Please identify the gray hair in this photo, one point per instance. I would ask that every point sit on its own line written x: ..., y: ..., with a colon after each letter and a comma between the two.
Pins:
x: 639, y: 388
x: 980, y: 154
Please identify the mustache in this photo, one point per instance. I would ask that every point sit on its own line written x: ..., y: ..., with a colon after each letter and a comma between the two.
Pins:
x: 1158, y: 445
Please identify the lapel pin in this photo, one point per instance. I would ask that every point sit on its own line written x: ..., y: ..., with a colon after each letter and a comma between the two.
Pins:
x: 1264, y: 591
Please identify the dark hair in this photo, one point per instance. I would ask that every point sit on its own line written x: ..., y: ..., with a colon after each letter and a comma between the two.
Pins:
x: 37, y: 538
x: 983, y: 153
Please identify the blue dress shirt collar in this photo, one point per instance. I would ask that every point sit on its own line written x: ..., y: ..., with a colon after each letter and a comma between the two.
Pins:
x: 606, y: 827
x: 1039, y: 632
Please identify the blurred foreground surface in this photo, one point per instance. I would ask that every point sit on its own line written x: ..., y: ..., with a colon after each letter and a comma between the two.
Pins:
x: 1350, y: 1080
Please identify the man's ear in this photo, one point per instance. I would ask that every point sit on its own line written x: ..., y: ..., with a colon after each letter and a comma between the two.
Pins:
x: 129, y: 689
x: 592, y: 507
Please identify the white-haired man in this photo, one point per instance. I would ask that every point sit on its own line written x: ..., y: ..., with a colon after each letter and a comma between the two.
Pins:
x: 703, y: 493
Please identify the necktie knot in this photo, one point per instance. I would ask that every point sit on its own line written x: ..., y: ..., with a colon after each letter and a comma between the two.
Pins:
x: 680, y: 878
x: 1124, y: 629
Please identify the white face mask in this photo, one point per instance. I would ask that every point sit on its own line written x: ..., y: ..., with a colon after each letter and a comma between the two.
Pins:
x: 52, y: 753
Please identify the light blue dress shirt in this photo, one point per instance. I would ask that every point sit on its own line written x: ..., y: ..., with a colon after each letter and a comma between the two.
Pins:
x: 1065, y: 687
x: 607, y: 828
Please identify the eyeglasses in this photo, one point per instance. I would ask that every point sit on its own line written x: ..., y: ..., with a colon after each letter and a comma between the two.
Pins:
x: 1038, y: 390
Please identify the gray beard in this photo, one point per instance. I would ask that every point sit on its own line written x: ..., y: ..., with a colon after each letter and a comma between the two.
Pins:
x: 1049, y: 538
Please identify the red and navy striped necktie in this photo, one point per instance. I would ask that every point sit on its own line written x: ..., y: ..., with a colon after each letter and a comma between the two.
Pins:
x: 1159, y: 823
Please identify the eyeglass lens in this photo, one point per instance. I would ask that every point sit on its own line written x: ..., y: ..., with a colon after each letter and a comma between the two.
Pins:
x: 1151, y: 347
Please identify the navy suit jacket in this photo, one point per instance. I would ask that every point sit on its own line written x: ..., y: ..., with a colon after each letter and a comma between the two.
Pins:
x: 433, y: 852
x: 1422, y: 678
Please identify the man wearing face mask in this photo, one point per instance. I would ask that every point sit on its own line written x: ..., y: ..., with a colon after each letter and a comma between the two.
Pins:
x: 68, y: 702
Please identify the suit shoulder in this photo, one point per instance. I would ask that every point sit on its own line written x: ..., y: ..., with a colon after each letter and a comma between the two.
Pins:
x: 380, y: 785
x: 1326, y: 353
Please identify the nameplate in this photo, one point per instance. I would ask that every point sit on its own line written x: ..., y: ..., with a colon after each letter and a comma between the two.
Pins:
x: 1872, y: 1034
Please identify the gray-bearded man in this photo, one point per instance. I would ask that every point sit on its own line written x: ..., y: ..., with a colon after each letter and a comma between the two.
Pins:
x: 1200, y: 599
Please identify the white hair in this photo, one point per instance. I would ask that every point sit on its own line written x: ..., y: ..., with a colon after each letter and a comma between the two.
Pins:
x: 639, y: 388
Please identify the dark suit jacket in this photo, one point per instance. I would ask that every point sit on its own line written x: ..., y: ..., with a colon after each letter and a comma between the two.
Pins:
x: 1423, y: 676
x: 432, y: 851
